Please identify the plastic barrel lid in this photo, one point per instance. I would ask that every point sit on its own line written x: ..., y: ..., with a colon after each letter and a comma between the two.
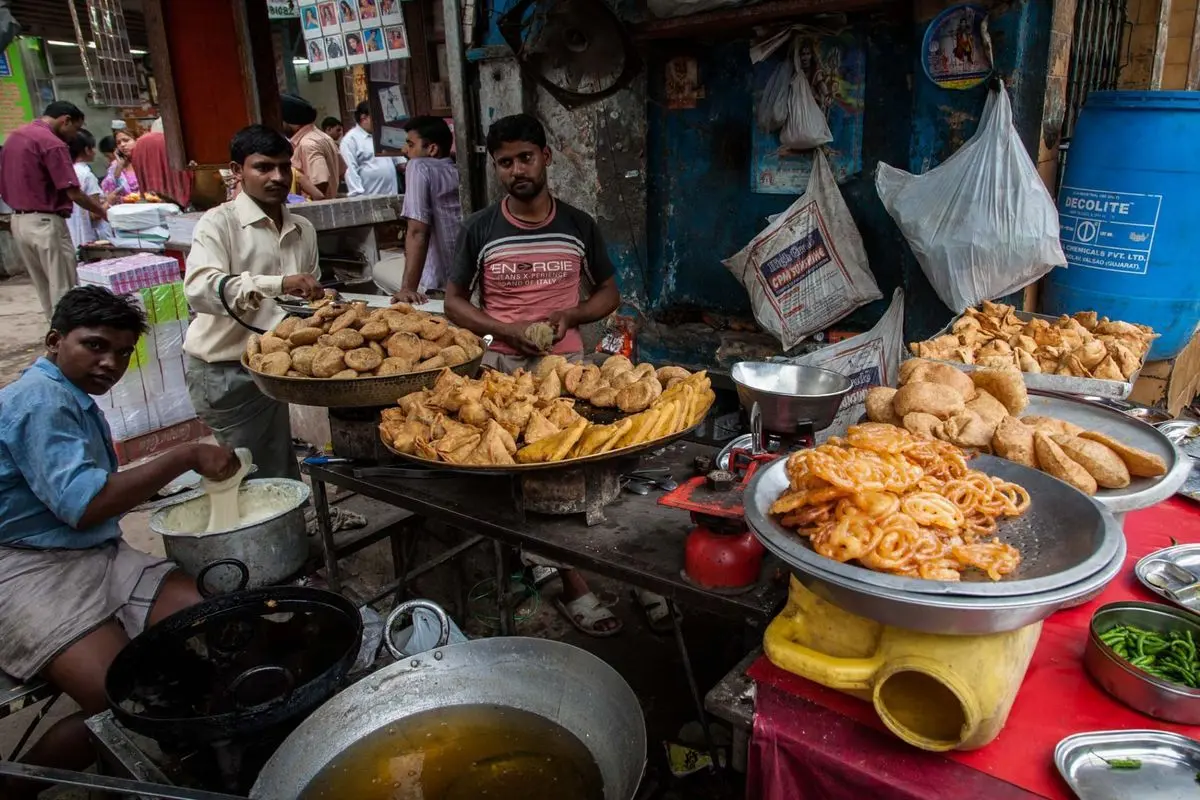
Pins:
x: 1171, y: 101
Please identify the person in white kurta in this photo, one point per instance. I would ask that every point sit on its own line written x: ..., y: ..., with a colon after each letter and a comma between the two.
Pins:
x: 80, y: 223
x: 366, y: 173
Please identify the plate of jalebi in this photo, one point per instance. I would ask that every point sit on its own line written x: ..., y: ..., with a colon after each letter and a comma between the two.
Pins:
x: 883, y: 506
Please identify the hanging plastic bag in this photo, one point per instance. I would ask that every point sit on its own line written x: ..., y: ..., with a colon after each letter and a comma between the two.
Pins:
x: 423, y: 634
x: 808, y: 268
x: 773, y: 106
x: 806, y: 126
x: 981, y: 224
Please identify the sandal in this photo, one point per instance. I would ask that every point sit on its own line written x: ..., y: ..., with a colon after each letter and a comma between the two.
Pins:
x: 540, y: 576
x: 657, y: 611
x: 586, y: 612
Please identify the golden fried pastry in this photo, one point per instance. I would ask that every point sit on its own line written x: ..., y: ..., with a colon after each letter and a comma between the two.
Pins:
x: 403, y: 436
x: 550, y: 387
x: 1014, y: 440
x: 927, y: 426
x: 404, y: 345
x: 561, y: 413
x: 667, y: 374
x: 1026, y: 362
x: 1006, y: 385
x: 1101, y: 462
x: 345, y: 374
x: 910, y: 368
x: 433, y: 328
x: 639, y: 431
x: 643, y: 371
x: 594, y: 438
x: 575, y: 374
x: 1108, y: 370
x: 538, y: 427
x: 1091, y: 353
x: 347, y: 339
x: 327, y: 362
x: 394, y: 366
x: 463, y: 393
x: 291, y: 373
x: 302, y: 358
x: 989, y: 409
x: 638, y: 396
x: 375, y: 331
x: 614, y: 364
x: 937, y: 399
x: 997, y: 362
x: 930, y: 372
x: 270, y: 343
x: 453, y: 355
x: 473, y: 412
x: 466, y: 340
x: 547, y: 365
x: 879, y: 405
x: 1052, y: 426
x: 325, y: 340
x: 968, y: 429
x: 409, y: 323
x: 446, y: 339
x: 378, y: 348
x: 552, y: 448
x: 592, y: 383
x: 253, y: 347
x: 346, y: 320
x: 364, y: 359
x: 1139, y: 462
x: 1053, y: 461
x: 541, y: 335
x: 304, y: 336
x: 277, y: 363
x: 429, y: 349
x: 285, y: 328
x: 255, y: 362
x: 620, y: 380
x: 329, y: 312
x: 604, y: 397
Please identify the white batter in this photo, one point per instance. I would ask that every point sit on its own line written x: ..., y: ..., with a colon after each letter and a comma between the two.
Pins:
x: 223, y: 514
x: 256, y: 502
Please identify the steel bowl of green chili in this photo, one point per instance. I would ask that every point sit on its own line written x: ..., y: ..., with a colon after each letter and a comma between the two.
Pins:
x: 1145, y: 655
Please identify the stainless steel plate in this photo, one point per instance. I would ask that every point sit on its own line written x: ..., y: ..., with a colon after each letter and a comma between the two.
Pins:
x: 1141, y: 492
x: 1064, y: 537
x: 1155, y: 573
x: 1169, y: 765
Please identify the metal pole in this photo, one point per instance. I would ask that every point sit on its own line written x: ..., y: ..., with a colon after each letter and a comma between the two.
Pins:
x: 459, y: 98
x: 63, y: 777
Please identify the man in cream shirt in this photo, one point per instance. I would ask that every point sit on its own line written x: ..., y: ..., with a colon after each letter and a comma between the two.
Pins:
x: 244, y: 253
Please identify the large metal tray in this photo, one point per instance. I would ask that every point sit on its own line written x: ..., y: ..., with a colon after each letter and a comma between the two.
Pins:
x: 371, y: 392
x: 1141, y: 492
x: 1169, y: 765
x: 1064, y: 537
x: 1059, y: 383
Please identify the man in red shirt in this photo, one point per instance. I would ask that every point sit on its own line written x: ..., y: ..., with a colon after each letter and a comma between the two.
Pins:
x: 37, y: 179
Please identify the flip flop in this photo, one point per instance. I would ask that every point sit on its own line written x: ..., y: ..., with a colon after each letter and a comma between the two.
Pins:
x: 657, y: 611
x: 585, y: 612
x: 540, y: 575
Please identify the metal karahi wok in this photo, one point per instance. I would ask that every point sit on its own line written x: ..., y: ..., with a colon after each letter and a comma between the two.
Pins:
x: 235, y: 665
x: 559, y: 682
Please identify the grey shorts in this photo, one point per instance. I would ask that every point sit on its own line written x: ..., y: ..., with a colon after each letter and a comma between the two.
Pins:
x: 50, y: 599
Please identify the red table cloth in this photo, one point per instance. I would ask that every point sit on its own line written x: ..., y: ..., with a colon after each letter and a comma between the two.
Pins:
x: 814, y: 743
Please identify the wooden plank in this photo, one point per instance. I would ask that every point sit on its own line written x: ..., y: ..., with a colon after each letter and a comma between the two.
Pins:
x: 1159, y: 62
x: 168, y: 106
x: 737, y: 20
x: 1193, y: 76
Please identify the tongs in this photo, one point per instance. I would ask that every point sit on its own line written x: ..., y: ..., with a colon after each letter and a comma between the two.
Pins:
x: 1179, y: 583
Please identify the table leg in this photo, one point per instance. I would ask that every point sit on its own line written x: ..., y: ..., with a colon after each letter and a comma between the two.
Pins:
x: 503, y: 605
x: 325, y: 527
x: 697, y: 698
x: 399, y: 543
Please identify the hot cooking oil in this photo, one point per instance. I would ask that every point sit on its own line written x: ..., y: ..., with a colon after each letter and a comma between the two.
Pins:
x: 463, y: 753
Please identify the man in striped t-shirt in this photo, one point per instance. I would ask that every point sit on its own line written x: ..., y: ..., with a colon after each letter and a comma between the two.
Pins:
x: 529, y: 255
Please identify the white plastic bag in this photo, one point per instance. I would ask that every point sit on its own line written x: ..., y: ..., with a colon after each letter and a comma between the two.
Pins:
x: 981, y: 224
x: 808, y: 268
x: 806, y: 126
x: 774, y: 104
x: 868, y: 359
x: 423, y: 634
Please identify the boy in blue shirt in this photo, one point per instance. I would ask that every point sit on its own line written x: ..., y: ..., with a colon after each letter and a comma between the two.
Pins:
x: 72, y: 593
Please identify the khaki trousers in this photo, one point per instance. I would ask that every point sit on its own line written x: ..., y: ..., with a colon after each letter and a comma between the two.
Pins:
x: 49, y: 254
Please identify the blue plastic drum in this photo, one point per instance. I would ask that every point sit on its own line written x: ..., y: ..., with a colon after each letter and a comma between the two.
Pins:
x: 1130, y: 213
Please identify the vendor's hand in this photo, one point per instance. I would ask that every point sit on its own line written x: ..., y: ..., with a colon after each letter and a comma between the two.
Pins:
x: 213, y: 462
x: 513, y: 334
x: 410, y: 296
x: 303, y: 285
x: 562, y: 322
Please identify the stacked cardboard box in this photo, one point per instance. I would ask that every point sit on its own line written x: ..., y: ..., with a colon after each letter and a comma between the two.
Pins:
x: 153, y: 394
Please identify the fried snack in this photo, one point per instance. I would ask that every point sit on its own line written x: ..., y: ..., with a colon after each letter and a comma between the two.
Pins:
x: 639, y: 395
x: 1052, y: 426
x: 548, y: 365
x: 403, y: 436
x: 561, y: 413
x: 967, y: 429
x: 989, y: 409
x: 931, y: 372
x: 911, y: 368
x: 473, y: 412
x: 704, y: 401
x: 347, y: 319
x: 255, y: 362
x: 667, y: 374
x: 1014, y: 440
x: 394, y: 366
x: 285, y: 328
x: 576, y: 374
x: 620, y: 380
x: 276, y: 363
x: 879, y: 405
x: 433, y: 328
x: 253, y: 346
x: 926, y: 426
x: 491, y: 450
x: 302, y: 358
x: 375, y: 331
x: 538, y: 428
x: 605, y: 397
x: 595, y: 437
x: 639, y: 430
x: 1101, y: 462
x: 404, y: 345
x: 364, y: 359
x: 345, y: 374
x: 615, y: 364
x: 666, y: 418
x: 552, y: 448
x: 429, y: 349
x: 1006, y: 385
x: 937, y: 399
x: 1139, y: 462
x: 304, y: 336
x: 899, y: 504
x: 347, y: 338
x: 1053, y: 461
x: 325, y: 340
x: 327, y: 362
x: 270, y: 343
x: 550, y: 387
x: 541, y: 335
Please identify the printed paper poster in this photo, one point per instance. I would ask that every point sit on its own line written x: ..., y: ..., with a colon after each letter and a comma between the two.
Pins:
x: 329, y: 19
x: 335, y: 52
x: 356, y: 51
x: 391, y: 103
x: 397, y: 42
x: 316, y: 54
x: 309, y: 23
x: 954, y: 53
x: 368, y: 12
x: 393, y: 138
x: 347, y: 14
x: 373, y: 41
x: 390, y: 12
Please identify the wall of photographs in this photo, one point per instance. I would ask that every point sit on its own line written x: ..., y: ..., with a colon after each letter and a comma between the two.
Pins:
x: 339, y: 33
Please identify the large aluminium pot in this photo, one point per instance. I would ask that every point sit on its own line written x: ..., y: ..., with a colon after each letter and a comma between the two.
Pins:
x: 273, y: 549
x: 561, y: 683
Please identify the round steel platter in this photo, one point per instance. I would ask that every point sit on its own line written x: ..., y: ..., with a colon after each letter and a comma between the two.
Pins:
x: 371, y: 392
x: 1141, y: 492
x: 1064, y: 538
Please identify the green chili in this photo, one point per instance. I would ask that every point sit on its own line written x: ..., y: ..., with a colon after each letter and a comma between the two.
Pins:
x: 1168, y: 656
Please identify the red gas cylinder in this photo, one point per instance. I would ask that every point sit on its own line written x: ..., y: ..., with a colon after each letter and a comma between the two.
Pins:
x: 718, y: 556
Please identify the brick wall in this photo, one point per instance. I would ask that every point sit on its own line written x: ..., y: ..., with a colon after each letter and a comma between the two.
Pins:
x: 1143, y: 14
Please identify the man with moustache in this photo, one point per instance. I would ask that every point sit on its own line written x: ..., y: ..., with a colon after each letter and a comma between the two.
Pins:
x: 245, y: 253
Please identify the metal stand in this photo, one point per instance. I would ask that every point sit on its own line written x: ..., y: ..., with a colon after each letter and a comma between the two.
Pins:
x: 503, y: 605
x: 321, y: 509
x: 697, y: 698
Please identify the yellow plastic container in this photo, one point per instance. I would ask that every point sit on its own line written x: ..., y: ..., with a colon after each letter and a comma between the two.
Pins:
x: 935, y: 692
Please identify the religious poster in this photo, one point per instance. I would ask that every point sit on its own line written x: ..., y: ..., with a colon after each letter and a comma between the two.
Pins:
x: 835, y: 64
x: 683, y: 83
x: 955, y: 54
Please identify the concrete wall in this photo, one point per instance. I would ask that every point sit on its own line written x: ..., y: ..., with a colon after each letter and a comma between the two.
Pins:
x: 1143, y: 17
